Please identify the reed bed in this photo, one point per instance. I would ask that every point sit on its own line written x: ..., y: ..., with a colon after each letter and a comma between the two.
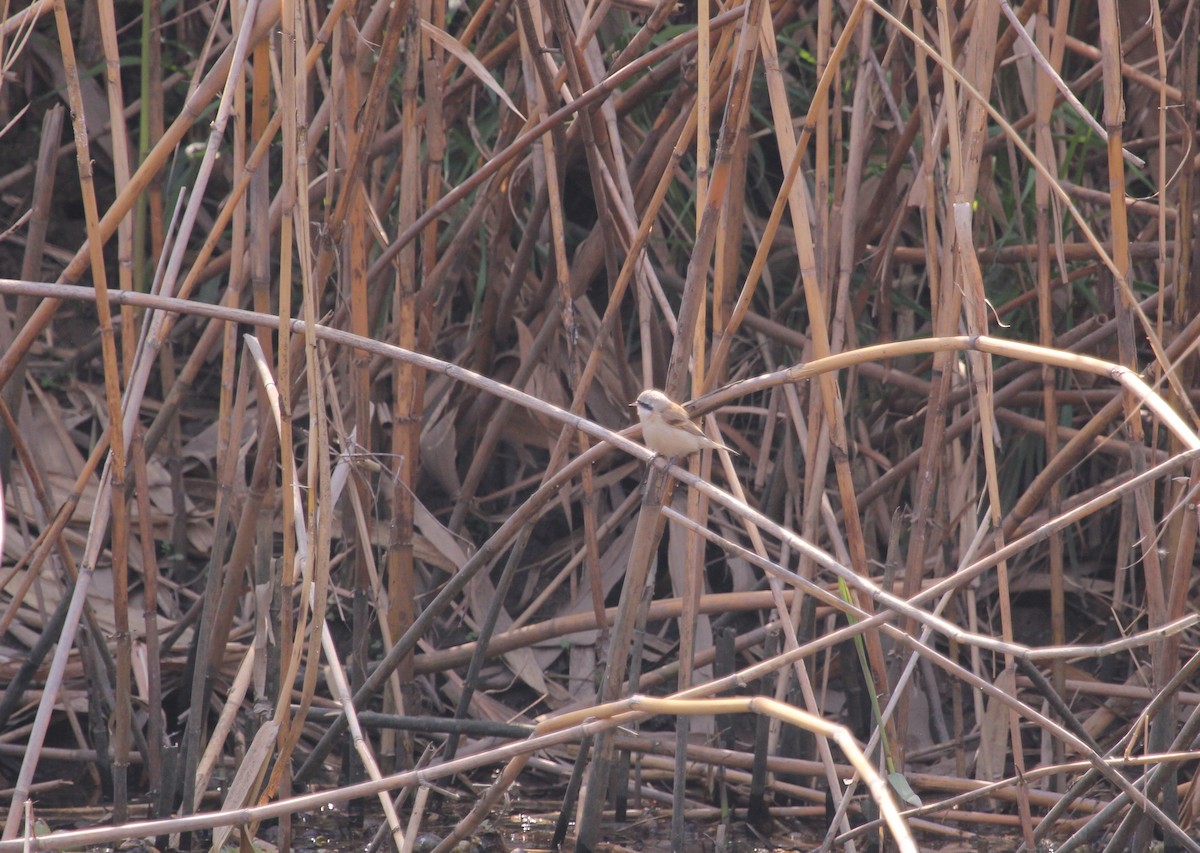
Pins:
x: 321, y: 486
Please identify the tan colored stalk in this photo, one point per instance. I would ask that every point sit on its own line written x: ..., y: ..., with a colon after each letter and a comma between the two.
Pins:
x: 689, y: 579
x: 1044, y: 148
x: 408, y: 384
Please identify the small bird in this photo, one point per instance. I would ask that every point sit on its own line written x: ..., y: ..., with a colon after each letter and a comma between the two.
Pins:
x: 667, y: 429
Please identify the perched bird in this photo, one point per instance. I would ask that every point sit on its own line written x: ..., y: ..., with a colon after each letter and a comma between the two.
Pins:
x: 667, y: 429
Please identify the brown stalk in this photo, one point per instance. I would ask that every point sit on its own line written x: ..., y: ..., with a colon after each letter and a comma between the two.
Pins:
x: 121, y: 716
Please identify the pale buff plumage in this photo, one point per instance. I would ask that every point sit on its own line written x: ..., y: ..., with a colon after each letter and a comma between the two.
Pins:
x: 667, y: 429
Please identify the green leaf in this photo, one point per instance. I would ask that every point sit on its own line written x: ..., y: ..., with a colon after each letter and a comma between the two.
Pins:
x: 903, y: 790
